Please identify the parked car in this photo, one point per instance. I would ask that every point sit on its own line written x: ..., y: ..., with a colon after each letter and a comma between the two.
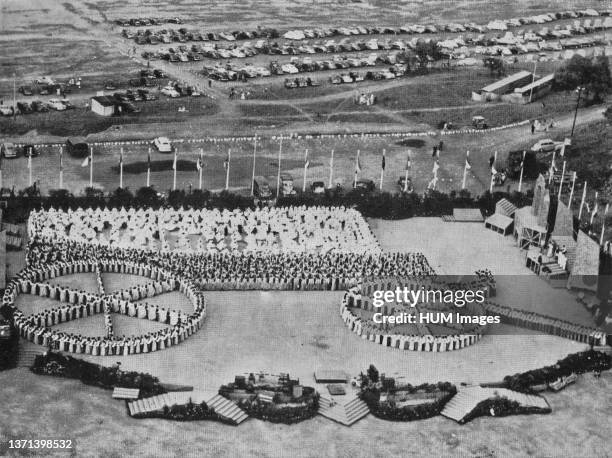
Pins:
x: 261, y: 188
x: 44, y: 80
x: 6, y: 111
x: 25, y: 107
x: 546, y: 145
x: 56, y: 105
x: 170, y: 92
x: 30, y: 150
x: 317, y: 187
x: 129, y: 107
x: 77, y: 147
x: 9, y: 150
x: 163, y: 145
x: 26, y: 90
x: 365, y: 185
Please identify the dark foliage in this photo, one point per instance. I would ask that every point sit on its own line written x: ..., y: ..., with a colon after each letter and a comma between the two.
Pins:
x: 502, y: 407
x: 578, y: 363
x: 93, y: 374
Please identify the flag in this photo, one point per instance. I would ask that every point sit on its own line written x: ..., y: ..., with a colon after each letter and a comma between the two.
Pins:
x: 383, y: 160
x: 121, y: 158
x: 468, y: 166
x: 436, y: 166
x: 199, y: 163
x: 306, y: 161
x: 226, y: 161
x: 408, y: 162
x: 357, y: 164
x: 174, y: 162
x: 149, y: 159
x: 492, y: 165
x: 523, y: 160
x: 61, y: 159
x: 30, y: 160
x: 595, y: 210
x: 86, y: 162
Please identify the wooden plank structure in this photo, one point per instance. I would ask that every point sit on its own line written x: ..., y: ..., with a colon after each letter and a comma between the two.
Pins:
x: 126, y: 393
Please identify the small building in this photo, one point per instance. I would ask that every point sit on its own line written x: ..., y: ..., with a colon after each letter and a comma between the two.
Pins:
x: 103, y: 105
x: 495, y: 90
x: 532, y: 91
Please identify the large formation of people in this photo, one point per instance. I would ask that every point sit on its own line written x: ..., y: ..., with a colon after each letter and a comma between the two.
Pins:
x: 457, y: 335
x: 242, y: 271
x: 279, y: 230
x: 75, y: 304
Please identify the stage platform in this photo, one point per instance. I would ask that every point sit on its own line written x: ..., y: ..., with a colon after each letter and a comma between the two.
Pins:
x: 467, y: 215
x: 331, y: 376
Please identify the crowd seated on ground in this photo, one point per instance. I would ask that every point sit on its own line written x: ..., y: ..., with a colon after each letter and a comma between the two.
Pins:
x: 270, y: 230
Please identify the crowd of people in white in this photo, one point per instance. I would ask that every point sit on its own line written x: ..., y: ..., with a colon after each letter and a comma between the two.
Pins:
x: 266, y: 230
x: 75, y: 304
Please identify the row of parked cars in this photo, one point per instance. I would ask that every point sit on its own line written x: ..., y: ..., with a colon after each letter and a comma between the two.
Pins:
x: 183, y: 34
x: 11, y: 151
x: 233, y: 72
x: 145, y: 21
x: 37, y: 106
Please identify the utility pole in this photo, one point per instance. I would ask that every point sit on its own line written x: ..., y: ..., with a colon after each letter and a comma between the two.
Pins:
x: 576, y: 110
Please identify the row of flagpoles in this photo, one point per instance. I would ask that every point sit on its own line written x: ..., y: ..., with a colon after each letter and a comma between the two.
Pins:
x: 89, y: 162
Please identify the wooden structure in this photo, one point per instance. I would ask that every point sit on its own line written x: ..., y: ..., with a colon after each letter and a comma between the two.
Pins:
x: 126, y: 393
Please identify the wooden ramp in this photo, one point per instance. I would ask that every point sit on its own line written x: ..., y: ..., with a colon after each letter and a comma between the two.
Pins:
x: 346, y: 413
x: 468, y: 398
x: 223, y: 407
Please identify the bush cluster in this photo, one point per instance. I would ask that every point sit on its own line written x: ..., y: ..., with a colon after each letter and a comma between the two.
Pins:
x: 59, y: 365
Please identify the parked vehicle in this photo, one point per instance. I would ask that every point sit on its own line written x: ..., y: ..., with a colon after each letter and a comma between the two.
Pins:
x: 287, y: 185
x: 56, y: 105
x: 26, y: 90
x: 317, y: 187
x: 44, y: 80
x: 77, y: 147
x: 547, y: 145
x: 365, y: 185
x: 261, y: 188
x: 30, y: 150
x: 9, y: 150
x: 163, y: 145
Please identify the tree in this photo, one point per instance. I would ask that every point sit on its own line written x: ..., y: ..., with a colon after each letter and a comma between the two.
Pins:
x: 373, y: 374
x: 495, y: 65
x: 593, y: 75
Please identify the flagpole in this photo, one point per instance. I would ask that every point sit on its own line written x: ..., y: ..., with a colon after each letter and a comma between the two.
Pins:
x: 229, y: 155
x: 594, y: 208
x: 465, y: 169
x: 174, y: 167
x: 582, y: 201
x: 382, y: 170
x: 280, y: 152
x: 561, y: 182
x: 149, y: 169
x: 305, y: 171
x: 253, y: 176
x: 603, y: 224
x: 569, y: 203
x: 356, y: 168
x: 331, y: 169
x: 91, y: 166
x: 552, y: 166
x: 121, y: 170
x: 201, y: 167
x: 522, y: 167
x: 61, y: 168
x: 492, y: 175
x: 30, y: 168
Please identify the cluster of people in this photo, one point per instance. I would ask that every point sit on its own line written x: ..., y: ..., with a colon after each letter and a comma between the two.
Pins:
x: 547, y: 324
x: 79, y: 304
x: 415, y: 342
x: 266, y: 230
x: 287, y: 271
